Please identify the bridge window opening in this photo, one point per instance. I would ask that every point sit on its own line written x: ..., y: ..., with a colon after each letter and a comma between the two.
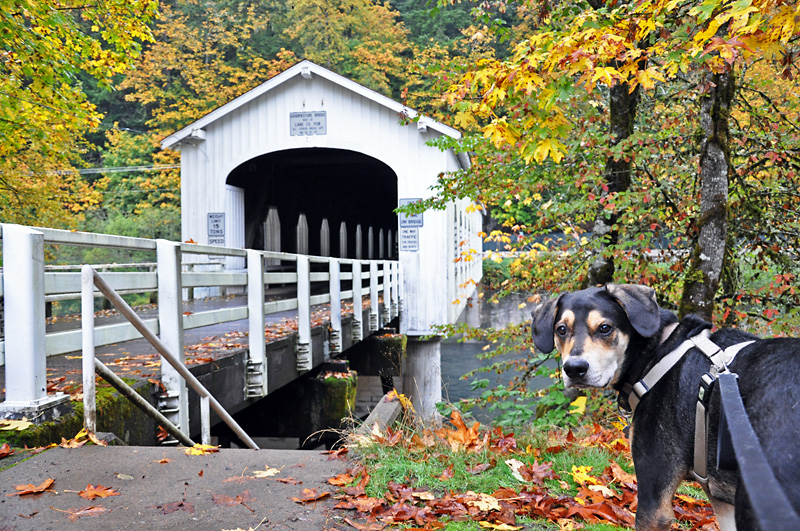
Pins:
x: 335, y: 186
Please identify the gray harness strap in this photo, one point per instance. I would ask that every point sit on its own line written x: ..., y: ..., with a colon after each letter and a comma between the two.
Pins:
x: 720, y: 359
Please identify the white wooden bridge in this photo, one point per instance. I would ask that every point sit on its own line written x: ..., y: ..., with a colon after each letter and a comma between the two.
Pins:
x: 293, y: 184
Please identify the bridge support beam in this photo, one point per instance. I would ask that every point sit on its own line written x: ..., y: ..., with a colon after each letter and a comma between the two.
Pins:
x: 23, y: 292
x: 422, y: 380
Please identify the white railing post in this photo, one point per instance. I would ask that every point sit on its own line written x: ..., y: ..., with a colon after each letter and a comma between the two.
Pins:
x: 335, y: 289
x: 257, y: 362
x: 358, y: 301
x: 87, y: 354
x: 304, y: 361
x: 24, y: 314
x: 175, y: 406
x: 205, y: 420
x: 395, y: 289
x: 387, y: 292
x: 374, y: 318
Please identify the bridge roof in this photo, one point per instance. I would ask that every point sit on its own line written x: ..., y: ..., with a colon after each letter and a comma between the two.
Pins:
x: 306, y: 69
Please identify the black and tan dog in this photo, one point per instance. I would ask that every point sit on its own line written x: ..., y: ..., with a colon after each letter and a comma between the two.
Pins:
x: 611, y: 336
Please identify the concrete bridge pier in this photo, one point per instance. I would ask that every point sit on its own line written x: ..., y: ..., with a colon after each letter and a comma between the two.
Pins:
x: 422, y: 377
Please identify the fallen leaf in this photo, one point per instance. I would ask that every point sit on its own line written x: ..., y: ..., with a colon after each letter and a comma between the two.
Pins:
x: 268, y: 473
x: 202, y: 449
x: 341, y: 480
x: 18, y: 425
x: 99, y: 491
x: 91, y: 510
x: 485, y: 502
x: 374, y: 526
x: 230, y: 501
x: 124, y: 477
x: 163, y: 461
x: 5, y: 450
x: 447, y: 474
x: 499, y: 527
x: 310, y: 495
x: 72, y: 443
x: 289, y: 480
x: 168, y: 508
x: 33, y: 489
x: 336, y: 454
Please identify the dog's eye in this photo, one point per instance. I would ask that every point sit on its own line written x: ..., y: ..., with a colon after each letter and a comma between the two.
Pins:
x: 605, y: 328
x: 561, y: 330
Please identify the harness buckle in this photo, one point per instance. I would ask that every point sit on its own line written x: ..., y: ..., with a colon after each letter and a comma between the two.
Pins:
x: 706, y: 385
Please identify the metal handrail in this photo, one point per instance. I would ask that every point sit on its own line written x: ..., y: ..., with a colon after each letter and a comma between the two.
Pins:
x: 90, y: 278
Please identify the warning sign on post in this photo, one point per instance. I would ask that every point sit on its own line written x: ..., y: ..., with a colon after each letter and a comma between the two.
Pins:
x: 216, y: 228
x: 410, y: 220
x: 409, y: 239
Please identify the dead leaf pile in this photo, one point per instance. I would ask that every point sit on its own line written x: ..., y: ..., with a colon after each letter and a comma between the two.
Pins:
x: 608, y: 497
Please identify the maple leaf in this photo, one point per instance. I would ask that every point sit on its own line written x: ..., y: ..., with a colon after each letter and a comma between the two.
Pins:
x: 5, y: 450
x: 499, y: 527
x: 201, y: 449
x: 98, y: 491
x: 339, y: 453
x: 168, y: 508
x: 341, y: 480
x: 310, y: 495
x: 24, y: 490
x: 447, y: 474
x: 15, y: 425
x: 267, y: 473
x: 230, y: 501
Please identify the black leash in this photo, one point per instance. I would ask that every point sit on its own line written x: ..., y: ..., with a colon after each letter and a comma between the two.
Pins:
x: 768, y: 500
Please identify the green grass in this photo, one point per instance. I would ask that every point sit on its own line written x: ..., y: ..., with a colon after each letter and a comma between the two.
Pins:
x: 421, y: 469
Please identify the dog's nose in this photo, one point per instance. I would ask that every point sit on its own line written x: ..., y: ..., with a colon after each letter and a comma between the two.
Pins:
x: 576, y: 368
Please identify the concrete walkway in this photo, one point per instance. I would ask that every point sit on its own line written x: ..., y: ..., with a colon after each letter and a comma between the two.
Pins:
x: 163, y: 488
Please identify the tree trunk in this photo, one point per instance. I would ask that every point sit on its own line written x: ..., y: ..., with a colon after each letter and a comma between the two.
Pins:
x: 702, y: 279
x: 622, y: 116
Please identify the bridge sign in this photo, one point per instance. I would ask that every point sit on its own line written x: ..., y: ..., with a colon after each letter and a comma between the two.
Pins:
x: 216, y: 228
x: 410, y: 220
x: 308, y: 123
x: 409, y: 239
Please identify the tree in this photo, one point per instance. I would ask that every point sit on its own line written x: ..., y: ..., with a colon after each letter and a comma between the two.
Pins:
x: 675, y: 54
x: 360, y: 39
x: 203, y: 57
x: 44, y: 112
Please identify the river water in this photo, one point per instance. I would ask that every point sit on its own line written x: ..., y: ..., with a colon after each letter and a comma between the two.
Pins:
x: 459, y: 358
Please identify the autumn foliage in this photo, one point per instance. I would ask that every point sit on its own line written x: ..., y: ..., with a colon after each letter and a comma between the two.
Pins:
x: 531, y: 485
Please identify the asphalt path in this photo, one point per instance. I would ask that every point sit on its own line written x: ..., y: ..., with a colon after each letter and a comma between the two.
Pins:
x: 165, y: 489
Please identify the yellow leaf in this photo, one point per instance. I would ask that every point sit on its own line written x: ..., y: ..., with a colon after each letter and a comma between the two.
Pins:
x: 18, y: 425
x: 580, y: 474
x: 202, y: 449
x: 268, y: 473
x: 485, y: 502
x: 578, y: 406
x: 499, y: 527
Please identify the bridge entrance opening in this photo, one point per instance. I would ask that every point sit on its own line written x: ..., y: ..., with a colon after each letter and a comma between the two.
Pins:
x: 319, y: 201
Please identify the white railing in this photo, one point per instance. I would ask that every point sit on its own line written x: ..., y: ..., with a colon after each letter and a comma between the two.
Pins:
x: 26, y: 286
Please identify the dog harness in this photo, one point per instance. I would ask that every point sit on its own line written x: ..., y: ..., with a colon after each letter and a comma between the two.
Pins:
x: 720, y: 359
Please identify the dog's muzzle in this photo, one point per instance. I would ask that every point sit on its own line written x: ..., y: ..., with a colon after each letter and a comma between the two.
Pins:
x: 576, y: 368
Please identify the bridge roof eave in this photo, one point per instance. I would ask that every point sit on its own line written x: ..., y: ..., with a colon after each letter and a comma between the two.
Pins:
x: 306, y: 69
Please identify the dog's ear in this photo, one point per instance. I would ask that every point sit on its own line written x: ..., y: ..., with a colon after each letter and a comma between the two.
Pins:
x: 543, y: 319
x: 639, y: 302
